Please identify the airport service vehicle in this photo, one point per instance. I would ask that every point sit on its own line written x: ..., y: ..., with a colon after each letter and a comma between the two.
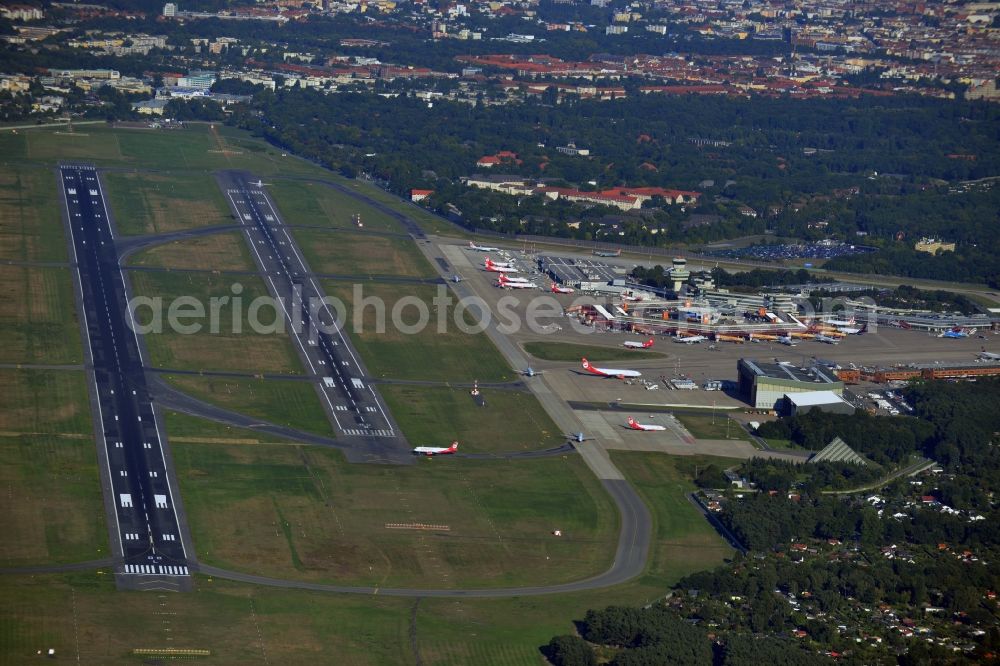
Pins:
x: 482, y: 248
x: 501, y: 267
x: 644, y: 426
x: 826, y: 338
x: 609, y: 372
x: 508, y: 283
x: 436, y: 450
x: 690, y: 339
x: 556, y: 289
x: 632, y: 344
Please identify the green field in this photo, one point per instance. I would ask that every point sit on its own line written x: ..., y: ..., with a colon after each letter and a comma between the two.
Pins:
x: 427, y: 354
x: 684, y: 542
x: 189, y: 429
x: 232, y: 347
x: 219, y: 252
x: 240, y: 623
x: 351, y: 253
x: 51, y: 502
x: 38, y: 311
x: 701, y: 426
x: 567, y: 351
x: 157, y: 203
x: 289, y: 403
x: 428, y: 221
x: 31, y: 216
x: 314, y: 204
x: 303, y: 513
x: 196, y: 148
x: 433, y: 416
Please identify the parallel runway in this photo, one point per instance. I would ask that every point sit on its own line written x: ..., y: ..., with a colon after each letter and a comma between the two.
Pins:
x: 146, y: 523
x: 352, y: 403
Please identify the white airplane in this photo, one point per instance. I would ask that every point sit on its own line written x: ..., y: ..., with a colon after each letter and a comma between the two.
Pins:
x: 499, y: 267
x: 259, y: 183
x: 632, y: 344
x: 507, y: 283
x: 436, y: 450
x: 989, y: 356
x: 644, y: 426
x: 609, y: 372
x: 787, y: 340
x: 482, y: 248
x: 508, y: 278
x: 556, y: 289
x: 531, y: 372
x: 827, y: 339
x: 690, y: 339
x: 840, y: 322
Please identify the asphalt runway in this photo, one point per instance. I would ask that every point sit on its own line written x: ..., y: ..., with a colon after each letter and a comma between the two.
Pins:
x: 145, y: 520
x: 353, y: 405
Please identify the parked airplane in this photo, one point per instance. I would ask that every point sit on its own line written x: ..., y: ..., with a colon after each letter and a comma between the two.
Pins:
x: 957, y: 333
x: 826, y: 338
x: 989, y: 356
x: 690, y: 339
x: 787, y: 340
x: 508, y: 278
x: 501, y: 267
x: 632, y: 344
x: 840, y: 322
x: 482, y: 248
x: 556, y: 289
x: 436, y: 450
x: 610, y: 372
x: 643, y: 426
x: 508, y: 283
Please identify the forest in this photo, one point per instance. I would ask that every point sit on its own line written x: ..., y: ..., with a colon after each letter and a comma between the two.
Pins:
x: 841, y: 190
x: 819, y: 564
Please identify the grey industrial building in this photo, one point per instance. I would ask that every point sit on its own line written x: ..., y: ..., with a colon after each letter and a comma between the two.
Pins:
x: 583, y: 274
x: 767, y: 385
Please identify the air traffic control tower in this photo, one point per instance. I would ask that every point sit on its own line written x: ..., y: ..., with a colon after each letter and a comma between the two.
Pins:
x: 679, y: 273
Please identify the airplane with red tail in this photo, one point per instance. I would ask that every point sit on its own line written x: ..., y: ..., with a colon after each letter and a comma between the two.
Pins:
x: 436, y: 450
x: 495, y: 267
x: 609, y: 372
x: 515, y: 283
x: 632, y: 344
x: 557, y: 289
x: 649, y: 427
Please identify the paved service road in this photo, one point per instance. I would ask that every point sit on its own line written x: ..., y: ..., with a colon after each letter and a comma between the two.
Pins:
x: 352, y: 403
x: 145, y: 521
x: 630, y: 560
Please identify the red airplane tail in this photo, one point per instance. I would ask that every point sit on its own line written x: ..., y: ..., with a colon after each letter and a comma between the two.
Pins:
x: 453, y: 447
x: 648, y: 344
x: 589, y: 368
x: 632, y: 424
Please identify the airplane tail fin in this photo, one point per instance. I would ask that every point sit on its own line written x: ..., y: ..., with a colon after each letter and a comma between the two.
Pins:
x: 586, y: 364
x: 632, y: 423
x: 454, y: 446
x: 649, y: 343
